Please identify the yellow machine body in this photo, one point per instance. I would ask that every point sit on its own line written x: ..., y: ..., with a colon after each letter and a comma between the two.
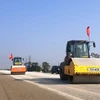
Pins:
x: 84, y: 70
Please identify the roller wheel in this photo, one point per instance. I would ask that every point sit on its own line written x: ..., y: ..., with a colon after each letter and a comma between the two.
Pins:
x: 62, y: 75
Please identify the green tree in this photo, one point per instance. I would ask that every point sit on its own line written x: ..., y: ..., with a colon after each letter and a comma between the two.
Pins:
x: 33, y: 66
x: 28, y: 65
x: 36, y: 67
x: 45, y: 67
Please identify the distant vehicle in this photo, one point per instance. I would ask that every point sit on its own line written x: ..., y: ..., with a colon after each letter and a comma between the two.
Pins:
x: 55, y: 69
x: 18, y: 67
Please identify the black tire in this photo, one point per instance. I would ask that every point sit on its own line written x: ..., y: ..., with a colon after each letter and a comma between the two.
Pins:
x: 70, y: 79
x: 62, y: 75
x: 56, y: 72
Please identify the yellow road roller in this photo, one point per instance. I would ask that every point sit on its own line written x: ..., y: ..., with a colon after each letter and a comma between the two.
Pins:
x: 78, y: 65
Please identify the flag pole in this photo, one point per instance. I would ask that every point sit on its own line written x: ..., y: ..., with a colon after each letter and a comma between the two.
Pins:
x: 89, y: 39
x: 89, y: 44
x: 88, y: 33
x: 89, y: 47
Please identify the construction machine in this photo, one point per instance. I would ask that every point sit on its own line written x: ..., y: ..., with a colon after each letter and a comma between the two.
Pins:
x: 18, y: 67
x: 78, y: 65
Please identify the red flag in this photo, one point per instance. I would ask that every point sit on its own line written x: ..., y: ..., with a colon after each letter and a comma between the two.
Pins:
x: 88, y: 30
x: 11, y: 56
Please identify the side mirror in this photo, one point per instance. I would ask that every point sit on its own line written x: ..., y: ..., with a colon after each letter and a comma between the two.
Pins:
x: 70, y: 54
x: 94, y: 44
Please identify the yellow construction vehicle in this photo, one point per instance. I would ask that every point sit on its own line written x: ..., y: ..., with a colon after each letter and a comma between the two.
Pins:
x: 18, y: 67
x: 78, y: 66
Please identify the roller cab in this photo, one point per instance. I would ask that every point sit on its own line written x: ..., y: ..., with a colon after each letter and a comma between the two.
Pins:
x: 18, y: 67
x: 78, y: 66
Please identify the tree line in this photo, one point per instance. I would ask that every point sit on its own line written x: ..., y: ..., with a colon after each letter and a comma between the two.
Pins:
x: 95, y: 55
x: 34, y: 66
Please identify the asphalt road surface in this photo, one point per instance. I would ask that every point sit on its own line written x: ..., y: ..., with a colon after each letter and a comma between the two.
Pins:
x: 11, y: 89
x: 41, y: 86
